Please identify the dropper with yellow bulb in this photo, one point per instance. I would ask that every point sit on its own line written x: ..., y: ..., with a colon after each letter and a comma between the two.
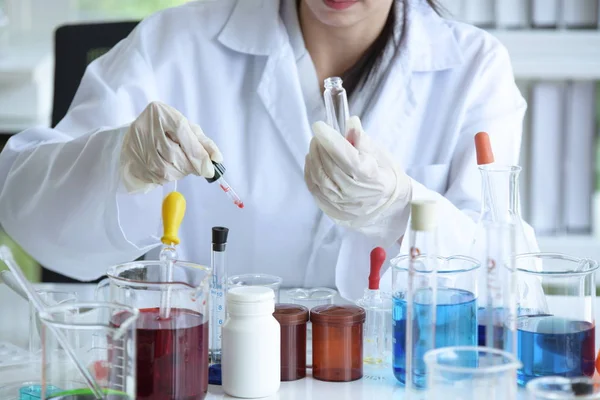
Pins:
x: 173, y: 211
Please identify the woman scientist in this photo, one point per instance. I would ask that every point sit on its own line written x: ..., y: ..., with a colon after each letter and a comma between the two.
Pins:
x: 248, y: 74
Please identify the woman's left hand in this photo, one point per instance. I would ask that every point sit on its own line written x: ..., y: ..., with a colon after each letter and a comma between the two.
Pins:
x: 357, y: 184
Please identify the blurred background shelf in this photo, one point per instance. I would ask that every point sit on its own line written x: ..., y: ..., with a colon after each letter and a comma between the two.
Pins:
x: 553, y: 54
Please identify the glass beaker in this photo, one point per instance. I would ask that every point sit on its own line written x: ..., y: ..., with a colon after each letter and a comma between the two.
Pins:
x: 50, y: 298
x: 558, y: 340
x: 559, y: 388
x: 106, y: 349
x: 172, y: 356
x: 271, y: 281
x: 471, y: 373
x: 456, y: 310
x: 310, y: 298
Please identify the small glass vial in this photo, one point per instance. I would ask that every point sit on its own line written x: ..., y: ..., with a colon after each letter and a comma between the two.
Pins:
x: 251, y: 353
x: 292, y: 320
x: 337, y: 342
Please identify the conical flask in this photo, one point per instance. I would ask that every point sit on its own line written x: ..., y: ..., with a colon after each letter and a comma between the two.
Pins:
x: 501, y: 206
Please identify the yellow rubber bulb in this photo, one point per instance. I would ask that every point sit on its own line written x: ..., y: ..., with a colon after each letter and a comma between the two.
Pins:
x: 173, y: 210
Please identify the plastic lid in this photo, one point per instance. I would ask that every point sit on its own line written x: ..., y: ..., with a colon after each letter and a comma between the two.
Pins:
x: 337, y: 314
x: 250, y: 294
x: 291, y: 314
x: 423, y: 215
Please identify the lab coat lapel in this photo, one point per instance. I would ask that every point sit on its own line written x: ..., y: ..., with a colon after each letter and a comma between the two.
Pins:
x: 280, y: 91
x: 255, y: 28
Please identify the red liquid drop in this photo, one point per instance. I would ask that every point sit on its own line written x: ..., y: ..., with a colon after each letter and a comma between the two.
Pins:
x: 224, y: 188
x: 239, y: 204
x: 172, y: 355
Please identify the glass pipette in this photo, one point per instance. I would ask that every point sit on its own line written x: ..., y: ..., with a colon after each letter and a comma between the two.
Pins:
x: 219, y: 172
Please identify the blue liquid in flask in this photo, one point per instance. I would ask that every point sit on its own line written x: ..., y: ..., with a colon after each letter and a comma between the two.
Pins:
x: 456, y: 326
x: 549, y: 345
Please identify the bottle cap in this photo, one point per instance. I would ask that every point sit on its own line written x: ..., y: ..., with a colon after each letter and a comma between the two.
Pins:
x: 219, y: 172
x: 423, y: 215
x: 483, y: 147
x: 333, y: 82
x: 291, y: 314
x: 219, y: 238
x: 332, y: 314
x: 377, y: 259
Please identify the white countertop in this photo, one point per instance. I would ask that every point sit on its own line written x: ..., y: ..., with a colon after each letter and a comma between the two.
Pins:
x: 15, y: 324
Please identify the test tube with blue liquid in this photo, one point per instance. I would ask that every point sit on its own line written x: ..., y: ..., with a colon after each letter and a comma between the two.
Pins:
x: 434, y: 299
x: 217, y: 297
x: 558, y: 340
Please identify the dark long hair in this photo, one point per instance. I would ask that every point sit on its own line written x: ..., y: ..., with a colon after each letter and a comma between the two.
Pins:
x: 356, y: 76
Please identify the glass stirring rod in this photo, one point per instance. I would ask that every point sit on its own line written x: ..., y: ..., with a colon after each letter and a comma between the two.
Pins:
x: 225, y: 187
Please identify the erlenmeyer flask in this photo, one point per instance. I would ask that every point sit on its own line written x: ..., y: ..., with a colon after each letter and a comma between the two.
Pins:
x: 501, y: 205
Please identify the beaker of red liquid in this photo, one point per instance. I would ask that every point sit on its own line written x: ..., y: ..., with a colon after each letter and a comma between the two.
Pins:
x: 172, y: 351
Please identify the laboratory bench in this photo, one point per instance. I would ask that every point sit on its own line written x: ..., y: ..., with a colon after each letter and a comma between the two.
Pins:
x: 14, y: 326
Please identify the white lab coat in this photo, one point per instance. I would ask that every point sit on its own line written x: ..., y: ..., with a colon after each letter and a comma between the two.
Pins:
x: 228, y: 67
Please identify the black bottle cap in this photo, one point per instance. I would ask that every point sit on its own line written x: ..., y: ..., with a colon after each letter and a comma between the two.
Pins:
x: 219, y: 172
x: 219, y: 238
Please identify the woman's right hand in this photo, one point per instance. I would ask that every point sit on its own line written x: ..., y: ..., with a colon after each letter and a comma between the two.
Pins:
x: 162, y: 146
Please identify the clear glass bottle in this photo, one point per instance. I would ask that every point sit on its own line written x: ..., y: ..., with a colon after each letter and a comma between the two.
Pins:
x: 378, y: 323
x: 336, y: 104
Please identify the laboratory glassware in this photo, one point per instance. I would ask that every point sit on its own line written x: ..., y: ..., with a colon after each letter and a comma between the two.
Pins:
x: 50, y: 298
x: 471, y: 373
x: 225, y: 187
x: 559, y: 339
x: 456, y: 316
x: 560, y: 388
x: 497, y: 308
x: 501, y: 204
x: 337, y: 342
x: 251, y: 343
x: 377, y: 331
x: 407, y: 307
x: 7, y: 256
x: 217, y: 301
x: 292, y: 319
x: 103, y: 337
x: 336, y: 104
x: 180, y: 369
x: 311, y: 298
x: 271, y: 281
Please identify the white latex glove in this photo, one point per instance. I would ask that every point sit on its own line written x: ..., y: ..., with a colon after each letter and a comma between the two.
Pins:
x: 162, y: 146
x: 359, y: 186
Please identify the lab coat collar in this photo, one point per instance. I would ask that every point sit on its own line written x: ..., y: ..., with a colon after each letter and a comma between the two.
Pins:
x: 254, y: 27
x: 430, y: 40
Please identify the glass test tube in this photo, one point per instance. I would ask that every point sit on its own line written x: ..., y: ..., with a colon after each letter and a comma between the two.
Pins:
x: 422, y: 240
x: 497, y: 314
x: 217, y: 291
x: 336, y: 104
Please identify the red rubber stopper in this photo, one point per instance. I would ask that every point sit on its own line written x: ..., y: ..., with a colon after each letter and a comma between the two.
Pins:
x: 377, y: 259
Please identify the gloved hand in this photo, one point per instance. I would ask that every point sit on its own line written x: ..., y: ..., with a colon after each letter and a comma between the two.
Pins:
x: 162, y: 146
x: 356, y: 183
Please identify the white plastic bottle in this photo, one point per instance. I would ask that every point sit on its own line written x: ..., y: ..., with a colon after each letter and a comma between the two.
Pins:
x: 251, y: 344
